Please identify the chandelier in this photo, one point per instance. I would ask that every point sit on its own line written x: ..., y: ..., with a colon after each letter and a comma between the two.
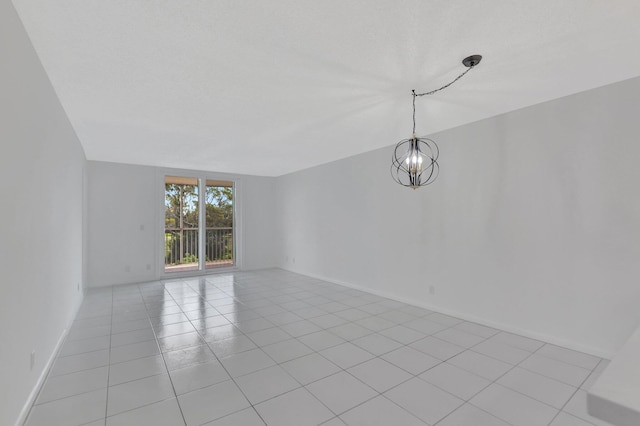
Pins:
x: 415, y: 160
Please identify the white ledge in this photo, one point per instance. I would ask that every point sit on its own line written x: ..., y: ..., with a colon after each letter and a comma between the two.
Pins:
x: 615, y: 395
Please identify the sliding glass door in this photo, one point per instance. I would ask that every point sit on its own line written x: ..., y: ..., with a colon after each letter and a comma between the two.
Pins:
x: 196, y: 225
x: 219, y: 247
x: 181, y: 231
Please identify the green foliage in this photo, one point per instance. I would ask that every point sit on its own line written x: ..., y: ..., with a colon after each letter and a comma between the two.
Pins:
x: 182, y: 209
x: 189, y: 258
x: 219, y: 204
x: 181, y: 205
x: 169, y: 243
x: 182, y: 213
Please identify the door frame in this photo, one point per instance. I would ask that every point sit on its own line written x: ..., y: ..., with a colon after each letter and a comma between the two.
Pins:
x: 238, y: 239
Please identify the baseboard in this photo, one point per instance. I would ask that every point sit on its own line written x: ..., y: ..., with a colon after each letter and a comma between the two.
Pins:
x: 26, y: 408
x: 600, y: 353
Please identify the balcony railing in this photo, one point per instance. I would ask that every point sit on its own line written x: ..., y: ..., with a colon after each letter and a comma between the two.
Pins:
x: 182, y: 250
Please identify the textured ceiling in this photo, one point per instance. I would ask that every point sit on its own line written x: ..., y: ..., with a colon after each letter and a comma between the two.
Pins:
x: 270, y: 87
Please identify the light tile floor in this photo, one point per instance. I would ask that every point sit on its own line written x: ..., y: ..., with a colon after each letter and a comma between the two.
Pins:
x: 277, y: 348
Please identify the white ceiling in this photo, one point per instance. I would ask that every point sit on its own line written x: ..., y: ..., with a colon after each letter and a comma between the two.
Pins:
x: 270, y: 87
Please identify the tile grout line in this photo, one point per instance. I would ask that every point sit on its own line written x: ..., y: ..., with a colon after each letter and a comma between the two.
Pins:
x: 470, y: 348
x: 106, y: 405
x: 342, y: 369
x: 448, y: 326
x: 223, y: 367
x: 374, y: 355
x: 513, y: 366
x: 302, y: 386
x: 444, y: 390
x: 164, y: 361
x: 559, y: 410
x: 249, y: 288
x: 44, y: 383
x: 573, y: 395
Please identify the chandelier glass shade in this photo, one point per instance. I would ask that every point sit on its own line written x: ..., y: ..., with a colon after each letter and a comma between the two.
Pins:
x: 415, y: 161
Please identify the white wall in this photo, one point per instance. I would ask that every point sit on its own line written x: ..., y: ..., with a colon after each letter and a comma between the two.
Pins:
x: 122, y: 212
x: 41, y: 170
x: 532, y: 226
x: 125, y: 216
x: 258, y: 222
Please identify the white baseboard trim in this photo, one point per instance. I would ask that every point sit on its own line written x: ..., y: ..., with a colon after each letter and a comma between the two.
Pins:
x: 26, y: 408
x: 600, y: 353
x: 36, y: 389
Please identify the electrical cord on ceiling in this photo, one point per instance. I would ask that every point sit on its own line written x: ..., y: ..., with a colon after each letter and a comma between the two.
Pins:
x: 446, y: 85
x: 433, y: 92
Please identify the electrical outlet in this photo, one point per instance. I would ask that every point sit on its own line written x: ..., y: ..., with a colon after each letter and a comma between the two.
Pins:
x: 78, y: 286
x: 127, y: 268
x: 148, y: 266
x: 293, y: 259
x: 432, y: 290
x: 33, y: 359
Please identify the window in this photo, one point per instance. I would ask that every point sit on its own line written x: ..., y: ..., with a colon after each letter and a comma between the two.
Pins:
x: 196, y: 224
x: 219, y: 224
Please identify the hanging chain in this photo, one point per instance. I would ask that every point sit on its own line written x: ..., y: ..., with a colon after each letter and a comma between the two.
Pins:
x: 443, y: 87
x: 414, y: 94
x: 414, y: 112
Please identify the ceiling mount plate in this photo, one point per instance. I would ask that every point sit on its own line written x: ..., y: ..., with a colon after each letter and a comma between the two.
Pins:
x: 472, y: 61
